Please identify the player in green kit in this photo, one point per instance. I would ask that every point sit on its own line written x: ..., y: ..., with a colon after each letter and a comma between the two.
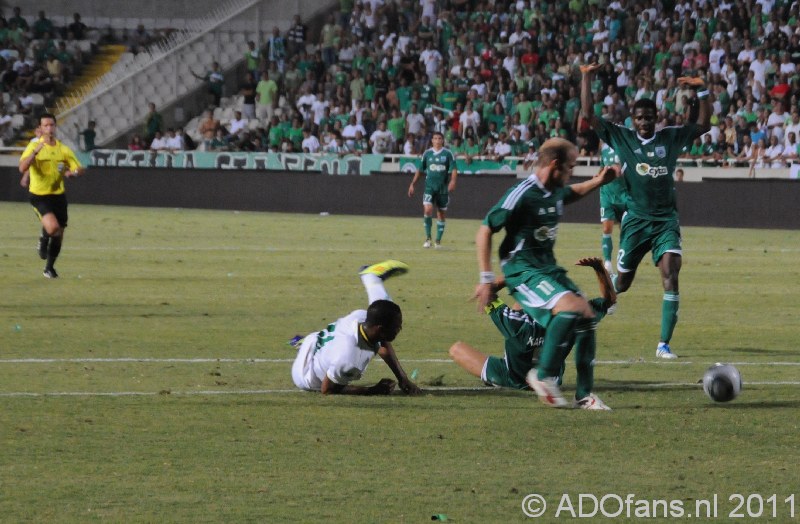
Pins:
x: 523, y: 342
x: 651, y: 220
x: 439, y: 166
x: 530, y: 213
x: 612, y: 205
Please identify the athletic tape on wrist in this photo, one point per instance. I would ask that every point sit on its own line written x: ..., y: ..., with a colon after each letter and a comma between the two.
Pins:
x: 486, y: 277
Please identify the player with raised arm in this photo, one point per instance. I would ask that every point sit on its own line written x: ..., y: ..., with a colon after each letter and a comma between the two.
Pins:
x: 44, y: 165
x: 439, y: 166
x: 523, y: 342
x: 530, y: 213
x: 330, y: 359
x: 650, y: 223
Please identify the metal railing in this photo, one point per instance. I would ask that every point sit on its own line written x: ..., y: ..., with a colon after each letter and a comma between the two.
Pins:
x: 179, y: 39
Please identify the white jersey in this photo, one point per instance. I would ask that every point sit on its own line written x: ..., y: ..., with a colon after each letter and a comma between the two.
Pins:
x: 337, y: 352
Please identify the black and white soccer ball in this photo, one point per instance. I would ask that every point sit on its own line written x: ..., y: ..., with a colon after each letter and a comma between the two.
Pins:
x: 722, y: 382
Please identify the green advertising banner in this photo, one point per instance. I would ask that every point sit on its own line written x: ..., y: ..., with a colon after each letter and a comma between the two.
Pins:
x: 474, y: 167
x: 325, y: 163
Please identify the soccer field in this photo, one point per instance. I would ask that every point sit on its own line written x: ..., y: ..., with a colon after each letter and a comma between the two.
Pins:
x: 151, y: 383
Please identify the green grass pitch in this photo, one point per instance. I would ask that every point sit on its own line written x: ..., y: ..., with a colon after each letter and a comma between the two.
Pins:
x: 150, y: 383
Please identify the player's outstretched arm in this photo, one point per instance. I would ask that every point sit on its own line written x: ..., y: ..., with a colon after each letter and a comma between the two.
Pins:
x: 387, y: 353
x: 603, y: 278
x: 587, y: 103
x: 604, y: 176
x: 704, y: 106
x: 384, y: 387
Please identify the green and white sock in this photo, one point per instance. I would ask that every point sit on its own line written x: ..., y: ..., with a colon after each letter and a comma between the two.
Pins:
x: 608, y: 247
x: 439, y: 230
x: 669, y: 314
x: 585, y: 349
x: 428, y: 221
x: 557, y: 342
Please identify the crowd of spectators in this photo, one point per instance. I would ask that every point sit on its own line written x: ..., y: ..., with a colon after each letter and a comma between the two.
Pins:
x: 499, y: 77
x: 36, y: 57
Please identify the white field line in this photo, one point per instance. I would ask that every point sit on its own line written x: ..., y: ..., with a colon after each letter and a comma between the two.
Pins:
x: 286, y: 360
x: 25, y: 394
x: 322, y: 249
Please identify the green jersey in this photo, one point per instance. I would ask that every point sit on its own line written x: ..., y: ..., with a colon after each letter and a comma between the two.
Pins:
x: 613, y: 192
x: 648, y: 166
x: 530, y: 215
x: 437, y: 166
x: 398, y: 127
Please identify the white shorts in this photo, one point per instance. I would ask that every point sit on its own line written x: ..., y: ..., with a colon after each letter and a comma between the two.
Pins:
x: 302, y: 364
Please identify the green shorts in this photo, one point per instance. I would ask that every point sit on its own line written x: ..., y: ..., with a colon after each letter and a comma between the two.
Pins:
x: 612, y: 202
x: 523, y: 342
x: 637, y: 236
x: 436, y: 197
x: 496, y: 373
x: 537, y: 290
x: 611, y: 210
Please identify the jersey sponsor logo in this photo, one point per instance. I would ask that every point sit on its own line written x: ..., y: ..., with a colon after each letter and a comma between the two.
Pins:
x: 644, y: 169
x: 437, y: 167
x: 545, y: 233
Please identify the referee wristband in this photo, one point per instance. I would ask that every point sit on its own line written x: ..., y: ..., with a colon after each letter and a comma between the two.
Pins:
x: 486, y: 277
x: 702, y: 94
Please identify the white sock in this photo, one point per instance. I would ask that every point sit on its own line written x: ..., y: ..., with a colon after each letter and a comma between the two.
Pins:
x: 374, y: 286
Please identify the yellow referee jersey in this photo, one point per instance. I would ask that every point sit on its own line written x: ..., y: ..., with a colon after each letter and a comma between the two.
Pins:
x: 48, y: 168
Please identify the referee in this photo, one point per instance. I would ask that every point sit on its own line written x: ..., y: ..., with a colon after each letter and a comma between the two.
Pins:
x: 44, y: 165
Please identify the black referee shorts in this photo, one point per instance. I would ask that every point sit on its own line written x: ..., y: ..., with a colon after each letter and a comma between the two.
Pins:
x: 56, y: 204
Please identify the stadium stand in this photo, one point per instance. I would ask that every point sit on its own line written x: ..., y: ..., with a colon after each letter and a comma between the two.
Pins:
x: 443, y: 56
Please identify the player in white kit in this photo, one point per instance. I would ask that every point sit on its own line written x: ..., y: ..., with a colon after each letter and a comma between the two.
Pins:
x: 330, y: 359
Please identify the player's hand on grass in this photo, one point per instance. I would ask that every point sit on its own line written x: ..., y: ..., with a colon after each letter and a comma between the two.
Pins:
x: 691, y: 81
x: 409, y: 388
x: 384, y: 387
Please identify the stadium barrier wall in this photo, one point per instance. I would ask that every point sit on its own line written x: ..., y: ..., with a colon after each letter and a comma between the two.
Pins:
x: 766, y: 204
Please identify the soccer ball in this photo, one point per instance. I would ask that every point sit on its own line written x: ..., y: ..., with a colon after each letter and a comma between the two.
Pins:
x: 722, y: 382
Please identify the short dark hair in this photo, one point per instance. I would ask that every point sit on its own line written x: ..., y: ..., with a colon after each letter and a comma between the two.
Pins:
x: 47, y: 115
x: 383, y: 313
x: 645, y: 103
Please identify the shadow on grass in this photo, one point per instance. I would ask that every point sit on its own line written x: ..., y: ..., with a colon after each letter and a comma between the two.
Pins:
x: 495, y: 392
